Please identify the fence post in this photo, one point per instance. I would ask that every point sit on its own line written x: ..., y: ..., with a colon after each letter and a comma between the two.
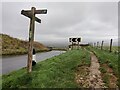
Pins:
x: 94, y: 44
x: 72, y: 45
x: 111, y: 45
x: 78, y: 44
x: 102, y: 45
x: 97, y: 44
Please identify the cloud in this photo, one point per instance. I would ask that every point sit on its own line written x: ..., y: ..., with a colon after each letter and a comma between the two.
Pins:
x: 92, y: 21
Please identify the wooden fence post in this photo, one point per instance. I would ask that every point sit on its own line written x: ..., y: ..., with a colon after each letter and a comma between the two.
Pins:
x: 111, y: 45
x: 94, y: 44
x: 97, y: 44
x: 72, y: 45
x: 102, y: 45
x: 78, y: 45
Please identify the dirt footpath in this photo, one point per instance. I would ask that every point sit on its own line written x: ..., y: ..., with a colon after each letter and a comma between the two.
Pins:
x: 93, y: 77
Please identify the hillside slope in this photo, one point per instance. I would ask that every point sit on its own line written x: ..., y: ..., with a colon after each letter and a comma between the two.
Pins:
x: 13, y: 46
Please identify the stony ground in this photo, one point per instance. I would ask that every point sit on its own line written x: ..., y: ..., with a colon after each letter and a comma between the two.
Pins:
x: 95, y: 79
x: 90, y: 77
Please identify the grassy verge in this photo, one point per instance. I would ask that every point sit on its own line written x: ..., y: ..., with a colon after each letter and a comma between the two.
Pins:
x: 19, y: 52
x: 15, y: 46
x: 108, y: 66
x: 115, y: 49
x: 56, y: 72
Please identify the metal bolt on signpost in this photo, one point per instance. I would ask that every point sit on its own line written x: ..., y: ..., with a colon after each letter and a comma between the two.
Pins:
x: 31, y: 14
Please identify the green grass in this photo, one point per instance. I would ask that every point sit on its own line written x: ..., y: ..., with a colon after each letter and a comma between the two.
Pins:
x: 108, y: 58
x: 56, y: 72
x: 106, y: 80
x: 103, y: 70
x: 15, y: 46
x: 114, y: 49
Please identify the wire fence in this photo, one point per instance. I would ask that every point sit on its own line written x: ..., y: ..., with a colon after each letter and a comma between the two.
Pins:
x: 111, y: 45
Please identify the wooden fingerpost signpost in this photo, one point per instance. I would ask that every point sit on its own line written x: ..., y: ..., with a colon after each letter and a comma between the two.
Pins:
x: 31, y: 14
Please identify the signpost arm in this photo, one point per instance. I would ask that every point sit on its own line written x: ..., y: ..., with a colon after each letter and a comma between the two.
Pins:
x: 29, y: 15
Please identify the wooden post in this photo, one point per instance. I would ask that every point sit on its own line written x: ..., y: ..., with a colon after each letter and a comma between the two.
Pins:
x: 78, y: 40
x: 78, y: 44
x: 31, y: 40
x: 31, y: 14
x: 102, y: 45
x: 72, y: 45
x: 97, y: 44
x: 70, y: 40
x: 111, y: 45
x: 94, y: 44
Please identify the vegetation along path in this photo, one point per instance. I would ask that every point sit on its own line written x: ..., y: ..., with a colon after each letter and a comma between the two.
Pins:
x: 108, y: 67
x: 73, y: 69
x: 92, y: 78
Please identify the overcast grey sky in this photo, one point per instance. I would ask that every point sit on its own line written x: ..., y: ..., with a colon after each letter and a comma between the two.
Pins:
x: 93, y: 21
